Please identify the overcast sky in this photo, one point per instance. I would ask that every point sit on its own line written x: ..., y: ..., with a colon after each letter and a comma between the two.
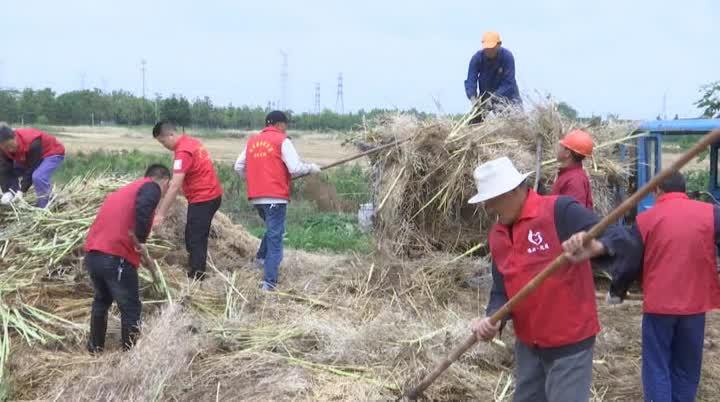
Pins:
x: 611, y: 56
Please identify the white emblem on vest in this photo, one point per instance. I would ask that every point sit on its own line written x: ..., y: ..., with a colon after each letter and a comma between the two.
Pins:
x: 537, y: 242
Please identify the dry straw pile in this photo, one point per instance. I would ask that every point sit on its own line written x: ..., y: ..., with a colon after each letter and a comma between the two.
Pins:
x: 422, y: 187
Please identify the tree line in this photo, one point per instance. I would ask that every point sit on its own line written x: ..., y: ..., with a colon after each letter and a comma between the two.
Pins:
x: 96, y: 107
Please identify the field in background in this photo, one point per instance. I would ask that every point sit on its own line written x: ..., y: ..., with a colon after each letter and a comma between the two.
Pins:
x: 313, y: 222
x: 223, y: 145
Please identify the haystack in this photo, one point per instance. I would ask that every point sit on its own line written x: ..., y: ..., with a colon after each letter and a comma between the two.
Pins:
x: 422, y: 187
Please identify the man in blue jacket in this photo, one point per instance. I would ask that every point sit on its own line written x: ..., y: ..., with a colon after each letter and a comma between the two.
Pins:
x: 491, y: 75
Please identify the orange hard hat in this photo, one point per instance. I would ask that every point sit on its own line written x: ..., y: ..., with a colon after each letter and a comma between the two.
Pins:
x: 578, y: 141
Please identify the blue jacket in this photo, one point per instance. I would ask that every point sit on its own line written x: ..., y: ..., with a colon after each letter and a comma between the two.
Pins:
x: 494, y: 76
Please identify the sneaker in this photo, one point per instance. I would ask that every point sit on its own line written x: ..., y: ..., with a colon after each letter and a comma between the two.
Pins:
x: 266, y: 287
x: 197, y: 275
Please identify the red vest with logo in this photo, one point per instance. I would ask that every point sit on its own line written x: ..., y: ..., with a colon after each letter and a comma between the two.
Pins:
x: 267, y: 175
x: 574, y: 182
x: 115, y: 219
x: 201, y: 182
x: 562, y: 310
x: 679, y: 261
x: 24, y: 138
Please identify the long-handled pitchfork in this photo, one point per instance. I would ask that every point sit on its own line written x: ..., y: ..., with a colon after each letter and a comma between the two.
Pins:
x: 561, y: 260
x: 360, y: 155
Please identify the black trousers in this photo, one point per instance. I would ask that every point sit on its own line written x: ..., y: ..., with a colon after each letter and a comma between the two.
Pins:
x: 114, y: 280
x: 197, y: 231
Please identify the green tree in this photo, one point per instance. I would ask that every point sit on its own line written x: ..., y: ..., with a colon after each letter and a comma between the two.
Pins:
x: 9, y: 110
x: 177, y: 109
x: 567, y: 111
x: 710, y: 99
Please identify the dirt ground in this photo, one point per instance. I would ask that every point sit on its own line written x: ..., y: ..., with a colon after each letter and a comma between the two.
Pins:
x: 321, y: 148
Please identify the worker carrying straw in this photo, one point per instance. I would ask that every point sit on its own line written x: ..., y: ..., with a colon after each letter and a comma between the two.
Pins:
x: 113, y: 250
x: 572, y: 179
x: 31, y: 155
x: 675, y: 255
x: 491, y: 77
x: 556, y: 325
x: 268, y: 163
x: 194, y: 173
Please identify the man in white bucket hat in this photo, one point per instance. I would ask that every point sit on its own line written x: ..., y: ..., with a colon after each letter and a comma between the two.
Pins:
x: 555, y: 325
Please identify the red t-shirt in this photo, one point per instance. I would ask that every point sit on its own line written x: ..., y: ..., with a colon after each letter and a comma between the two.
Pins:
x: 201, y: 182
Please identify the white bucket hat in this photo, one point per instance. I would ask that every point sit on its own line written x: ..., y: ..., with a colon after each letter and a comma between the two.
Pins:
x: 495, y: 178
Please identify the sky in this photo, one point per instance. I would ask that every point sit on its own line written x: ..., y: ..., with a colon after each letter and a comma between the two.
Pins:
x: 635, y: 58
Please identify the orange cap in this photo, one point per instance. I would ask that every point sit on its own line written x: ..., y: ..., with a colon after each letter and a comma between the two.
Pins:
x: 490, y: 40
x: 578, y: 141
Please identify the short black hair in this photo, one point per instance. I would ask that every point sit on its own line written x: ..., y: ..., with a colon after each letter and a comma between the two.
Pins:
x: 576, y: 156
x: 6, y: 133
x: 162, y: 126
x: 675, y: 183
x: 158, y: 171
x: 275, y: 117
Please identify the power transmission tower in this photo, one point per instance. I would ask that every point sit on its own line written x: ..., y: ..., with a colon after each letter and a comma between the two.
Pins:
x: 339, y: 100
x: 317, y: 98
x: 143, y: 64
x: 283, y: 82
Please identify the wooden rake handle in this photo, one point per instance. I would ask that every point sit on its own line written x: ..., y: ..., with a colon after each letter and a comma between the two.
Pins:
x: 357, y: 156
x: 561, y: 260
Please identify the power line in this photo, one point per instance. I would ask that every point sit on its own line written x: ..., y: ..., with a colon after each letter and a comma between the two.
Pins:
x: 339, y: 100
x: 317, y: 98
x: 143, y: 67
x: 283, y: 82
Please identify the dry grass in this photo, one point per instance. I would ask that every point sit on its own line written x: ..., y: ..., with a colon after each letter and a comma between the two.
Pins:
x: 427, y: 181
x: 340, y: 328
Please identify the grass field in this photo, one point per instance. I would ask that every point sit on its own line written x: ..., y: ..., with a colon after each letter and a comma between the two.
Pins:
x: 308, y: 227
x: 223, y: 145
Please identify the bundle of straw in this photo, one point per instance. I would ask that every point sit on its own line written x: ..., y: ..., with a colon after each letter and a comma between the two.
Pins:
x: 423, y: 186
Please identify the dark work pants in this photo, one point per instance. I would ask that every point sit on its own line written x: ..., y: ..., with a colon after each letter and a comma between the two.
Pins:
x: 114, y: 280
x: 672, y: 349
x: 197, y: 231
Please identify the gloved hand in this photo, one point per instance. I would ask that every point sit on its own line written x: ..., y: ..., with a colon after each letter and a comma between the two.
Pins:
x: 314, y: 168
x: 7, y: 198
x: 18, y: 196
x: 612, y: 299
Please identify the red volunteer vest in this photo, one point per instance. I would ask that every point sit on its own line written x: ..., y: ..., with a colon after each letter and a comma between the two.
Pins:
x: 115, y: 219
x: 679, y: 267
x: 201, y: 182
x: 24, y: 138
x: 562, y: 310
x: 267, y: 175
x: 574, y: 182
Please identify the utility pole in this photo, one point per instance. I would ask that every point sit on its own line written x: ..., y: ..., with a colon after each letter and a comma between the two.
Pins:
x: 318, y: 108
x: 143, y: 67
x: 283, y: 103
x: 339, y: 100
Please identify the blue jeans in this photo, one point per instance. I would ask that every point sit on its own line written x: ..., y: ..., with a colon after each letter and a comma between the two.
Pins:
x: 113, y: 280
x: 41, y: 178
x: 672, y: 348
x: 271, y: 246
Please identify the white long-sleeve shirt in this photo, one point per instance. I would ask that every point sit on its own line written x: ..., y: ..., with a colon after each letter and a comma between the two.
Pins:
x: 292, y: 161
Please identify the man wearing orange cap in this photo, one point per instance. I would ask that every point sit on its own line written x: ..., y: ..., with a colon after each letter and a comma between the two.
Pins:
x: 491, y: 74
x: 572, y: 179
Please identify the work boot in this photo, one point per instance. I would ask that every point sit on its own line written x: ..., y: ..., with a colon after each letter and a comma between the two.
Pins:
x: 96, y: 339
x: 129, y: 336
x: 197, y: 275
